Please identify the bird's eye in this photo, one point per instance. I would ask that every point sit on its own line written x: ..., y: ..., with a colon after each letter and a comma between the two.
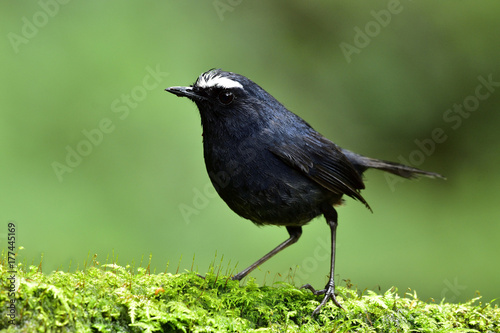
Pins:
x: 226, y: 97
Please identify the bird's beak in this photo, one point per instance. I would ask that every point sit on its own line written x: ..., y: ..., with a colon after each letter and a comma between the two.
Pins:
x: 185, y: 92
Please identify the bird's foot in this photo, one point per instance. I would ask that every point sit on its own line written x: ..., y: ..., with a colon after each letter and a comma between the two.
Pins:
x: 329, y: 293
x: 243, y: 273
x: 237, y: 277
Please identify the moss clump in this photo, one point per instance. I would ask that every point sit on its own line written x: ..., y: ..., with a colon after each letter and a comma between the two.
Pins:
x: 112, y: 298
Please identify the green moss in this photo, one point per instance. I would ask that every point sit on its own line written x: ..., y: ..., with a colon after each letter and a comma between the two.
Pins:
x: 111, y: 298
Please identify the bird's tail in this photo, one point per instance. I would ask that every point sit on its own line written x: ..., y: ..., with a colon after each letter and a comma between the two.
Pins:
x: 361, y: 163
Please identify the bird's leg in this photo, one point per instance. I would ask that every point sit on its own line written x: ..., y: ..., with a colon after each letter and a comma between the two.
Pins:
x: 294, y: 232
x: 331, y: 219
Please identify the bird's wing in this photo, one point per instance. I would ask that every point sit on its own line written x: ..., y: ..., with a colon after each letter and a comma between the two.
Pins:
x: 323, y: 162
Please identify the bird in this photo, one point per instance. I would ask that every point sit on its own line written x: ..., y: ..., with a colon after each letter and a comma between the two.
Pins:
x: 271, y: 167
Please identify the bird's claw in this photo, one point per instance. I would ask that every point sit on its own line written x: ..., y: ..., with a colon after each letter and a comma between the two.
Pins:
x: 237, y: 277
x: 329, y: 293
x: 314, y: 291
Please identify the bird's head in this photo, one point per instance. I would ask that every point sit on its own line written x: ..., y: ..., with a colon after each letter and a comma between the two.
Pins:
x: 214, y: 89
x: 222, y: 95
x: 218, y: 90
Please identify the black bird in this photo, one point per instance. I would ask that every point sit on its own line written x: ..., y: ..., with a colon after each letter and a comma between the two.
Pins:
x: 272, y: 167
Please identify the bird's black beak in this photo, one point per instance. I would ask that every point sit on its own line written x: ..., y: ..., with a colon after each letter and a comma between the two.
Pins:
x: 185, y: 92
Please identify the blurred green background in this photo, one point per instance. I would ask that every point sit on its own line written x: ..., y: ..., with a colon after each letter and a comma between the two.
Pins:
x: 88, y: 78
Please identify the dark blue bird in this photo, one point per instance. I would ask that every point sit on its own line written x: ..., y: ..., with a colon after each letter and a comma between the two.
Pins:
x: 272, y: 167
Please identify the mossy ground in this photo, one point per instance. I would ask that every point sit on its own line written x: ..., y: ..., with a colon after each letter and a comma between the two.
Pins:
x: 112, y: 298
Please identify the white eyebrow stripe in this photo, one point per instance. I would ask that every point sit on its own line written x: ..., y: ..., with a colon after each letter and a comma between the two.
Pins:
x: 217, y: 81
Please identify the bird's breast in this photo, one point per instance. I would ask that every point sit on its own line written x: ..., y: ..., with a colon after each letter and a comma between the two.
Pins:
x: 257, y: 185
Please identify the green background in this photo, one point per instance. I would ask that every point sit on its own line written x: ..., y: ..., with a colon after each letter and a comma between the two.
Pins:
x: 69, y: 68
